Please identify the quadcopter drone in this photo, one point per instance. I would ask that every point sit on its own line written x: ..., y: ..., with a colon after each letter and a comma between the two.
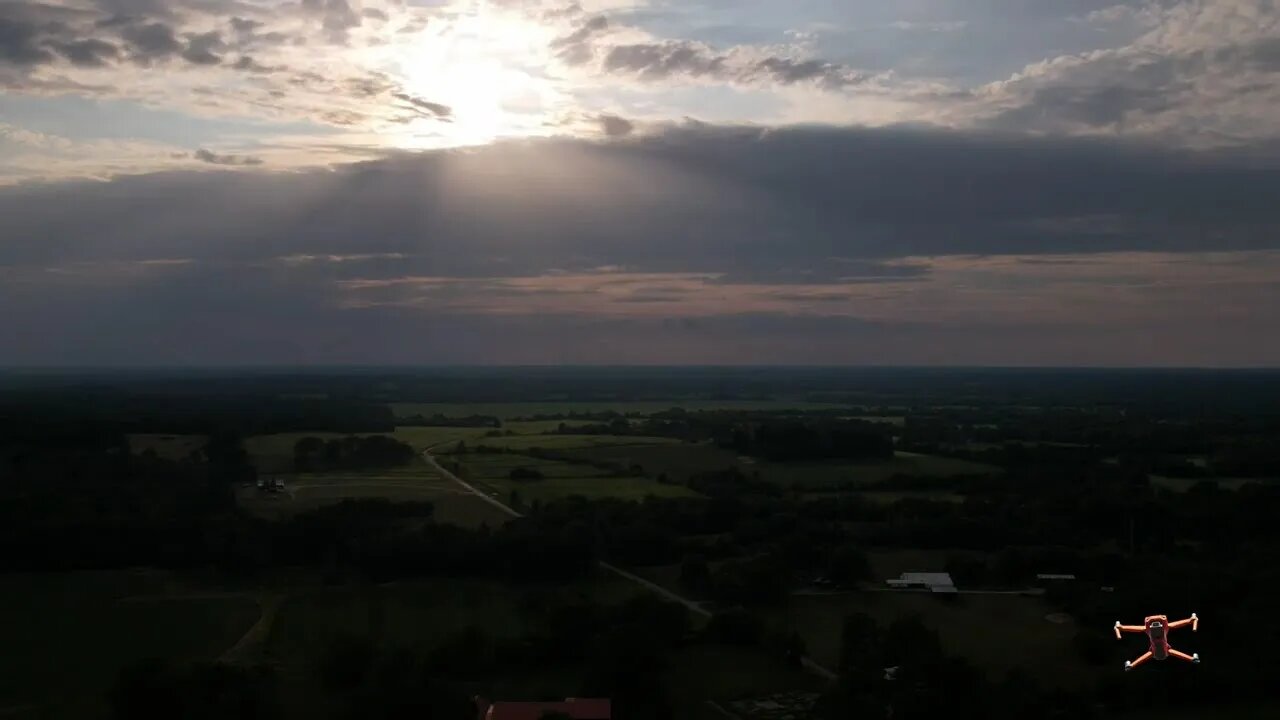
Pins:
x: 1157, y: 628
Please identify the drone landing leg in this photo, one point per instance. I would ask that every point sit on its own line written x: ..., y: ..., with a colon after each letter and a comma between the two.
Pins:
x: 1183, y: 656
x: 1131, y: 665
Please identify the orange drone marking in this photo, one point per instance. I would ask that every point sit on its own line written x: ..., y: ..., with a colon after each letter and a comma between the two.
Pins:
x: 1157, y: 628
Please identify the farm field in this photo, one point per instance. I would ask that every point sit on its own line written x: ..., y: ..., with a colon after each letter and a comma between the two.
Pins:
x: 888, y: 497
x: 482, y: 466
x: 998, y: 633
x: 722, y: 673
x: 79, y: 629
x: 681, y: 460
x: 1185, y: 484
x: 591, y: 488
x: 417, y: 483
x: 169, y: 447
x: 567, y: 442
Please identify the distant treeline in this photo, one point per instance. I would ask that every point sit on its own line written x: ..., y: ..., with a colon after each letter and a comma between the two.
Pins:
x: 313, y: 454
x: 766, y: 435
x: 441, y: 420
x: 78, y: 415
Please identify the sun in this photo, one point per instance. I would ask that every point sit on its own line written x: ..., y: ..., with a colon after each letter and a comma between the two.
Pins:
x: 486, y: 66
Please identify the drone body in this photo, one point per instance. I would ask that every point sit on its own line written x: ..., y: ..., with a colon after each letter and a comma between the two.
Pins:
x: 1157, y: 629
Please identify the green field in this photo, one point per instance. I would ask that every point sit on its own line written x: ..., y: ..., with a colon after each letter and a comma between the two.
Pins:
x: 679, y: 461
x: 1185, y: 484
x: 888, y: 497
x: 170, y: 447
x: 67, y: 635
x: 701, y: 672
x: 569, y: 442
x: 482, y: 466
x: 997, y: 633
x: 540, y: 427
x: 519, y: 409
x: 592, y: 488
x: 417, y: 483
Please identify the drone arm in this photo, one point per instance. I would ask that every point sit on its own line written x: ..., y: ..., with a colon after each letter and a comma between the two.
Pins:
x: 1128, y: 628
x: 1193, y: 621
x: 1182, y: 656
x: 1145, y: 657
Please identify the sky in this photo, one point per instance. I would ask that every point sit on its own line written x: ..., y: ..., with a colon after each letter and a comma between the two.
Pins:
x: 812, y: 182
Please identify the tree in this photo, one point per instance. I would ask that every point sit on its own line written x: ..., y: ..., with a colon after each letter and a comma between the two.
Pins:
x: 695, y: 574
x: 525, y: 474
x: 860, y: 643
x: 735, y: 627
x: 848, y: 567
x: 156, y: 690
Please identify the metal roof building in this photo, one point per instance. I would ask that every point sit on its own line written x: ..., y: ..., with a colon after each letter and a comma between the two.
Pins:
x: 934, y: 582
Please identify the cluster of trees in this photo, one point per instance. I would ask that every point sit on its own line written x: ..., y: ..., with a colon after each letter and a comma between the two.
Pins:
x: 441, y: 420
x: 57, y: 414
x: 792, y: 441
x: 927, y: 681
x: 374, y: 452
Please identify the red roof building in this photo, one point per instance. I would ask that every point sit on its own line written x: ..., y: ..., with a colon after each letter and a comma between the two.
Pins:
x: 576, y: 708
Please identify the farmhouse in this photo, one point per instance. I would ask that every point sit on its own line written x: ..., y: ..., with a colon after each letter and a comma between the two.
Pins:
x: 576, y: 708
x: 933, y: 582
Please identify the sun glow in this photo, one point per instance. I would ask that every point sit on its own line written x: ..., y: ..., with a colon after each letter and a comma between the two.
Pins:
x: 488, y: 66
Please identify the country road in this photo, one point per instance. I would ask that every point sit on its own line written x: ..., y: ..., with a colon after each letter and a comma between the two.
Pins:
x: 692, y: 605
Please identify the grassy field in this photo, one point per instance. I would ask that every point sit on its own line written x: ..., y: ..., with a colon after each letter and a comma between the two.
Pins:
x: 67, y: 635
x: 482, y: 466
x: 1185, y: 484
x: 997, y: 633
x: 592, y: 488
x: 570, y: 442
x: 538, y: 427
x: 171, y: 447
x: 712, y: 672
x: 518, y: 409
x: 677, y: 461
x: 416, y: 483
x: 888, y: 497
x: 681, y: 460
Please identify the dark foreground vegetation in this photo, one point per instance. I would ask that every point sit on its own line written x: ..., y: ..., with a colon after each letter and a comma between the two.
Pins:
x: 1156, y: 496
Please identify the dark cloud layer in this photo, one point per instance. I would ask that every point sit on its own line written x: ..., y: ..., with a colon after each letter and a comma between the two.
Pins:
x: 694, y: 198
x: 207, y: 156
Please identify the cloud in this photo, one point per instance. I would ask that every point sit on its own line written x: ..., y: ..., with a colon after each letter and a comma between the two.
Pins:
x: 697, y: 243
x: 336, y: 16
x: 212, y: 158
x: 668, y: 59
x: 615, y: 126
x: 1201, y: 73
x: 795, y: 206
x: 87, y: 53
x: 577, y: 48
x: 430, y: 109
x: 149, y: 42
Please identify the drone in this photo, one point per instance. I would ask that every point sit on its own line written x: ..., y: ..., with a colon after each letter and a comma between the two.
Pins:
x: 1157, y: 628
